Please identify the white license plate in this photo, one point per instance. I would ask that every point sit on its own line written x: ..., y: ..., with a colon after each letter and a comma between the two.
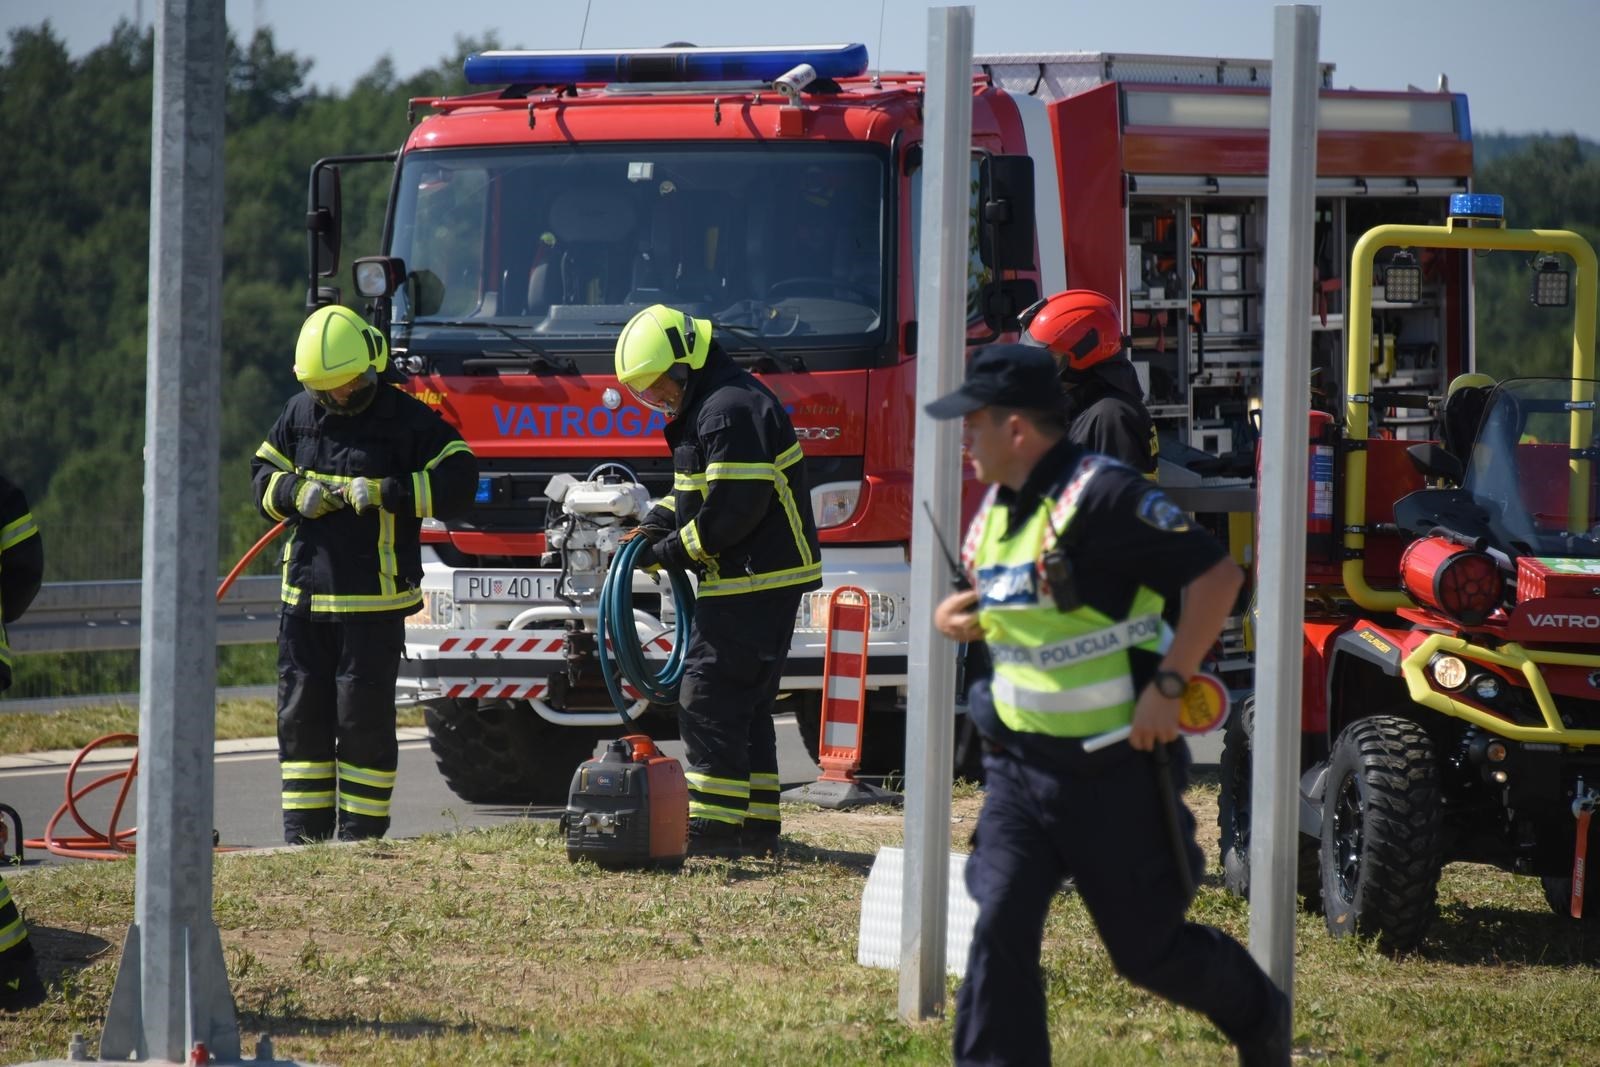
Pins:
x: 500, y: 587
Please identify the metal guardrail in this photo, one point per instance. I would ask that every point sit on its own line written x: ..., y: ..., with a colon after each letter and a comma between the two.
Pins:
x: 103, y: 616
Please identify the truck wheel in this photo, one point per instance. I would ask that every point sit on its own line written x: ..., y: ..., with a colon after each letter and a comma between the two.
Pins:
x: 502, y: 752
x: 884, y: 741
x: 1382, y: 838
x: 1558, y: 894
x: 1233, y: 817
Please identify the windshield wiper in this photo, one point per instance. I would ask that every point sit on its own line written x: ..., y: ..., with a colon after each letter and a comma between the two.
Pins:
x: 525, y: 355
x: 776, y: 359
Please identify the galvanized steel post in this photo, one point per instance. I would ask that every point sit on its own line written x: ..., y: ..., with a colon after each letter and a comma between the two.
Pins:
x: 172, y: 985
x: 1286, y: 397
x: 941, y: 346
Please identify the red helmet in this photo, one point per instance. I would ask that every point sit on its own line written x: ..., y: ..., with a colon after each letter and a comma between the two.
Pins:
x: 1080, y: 327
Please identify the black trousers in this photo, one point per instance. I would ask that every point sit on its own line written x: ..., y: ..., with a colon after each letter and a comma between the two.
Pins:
x: 336, y: 725
x: 732, y: 666
x: 1096, y: 818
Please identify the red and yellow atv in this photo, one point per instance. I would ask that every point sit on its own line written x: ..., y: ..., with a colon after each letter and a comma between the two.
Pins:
x: 1451, y: 693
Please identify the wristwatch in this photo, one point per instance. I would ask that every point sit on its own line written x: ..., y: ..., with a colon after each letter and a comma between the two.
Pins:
x: 1170, y: 684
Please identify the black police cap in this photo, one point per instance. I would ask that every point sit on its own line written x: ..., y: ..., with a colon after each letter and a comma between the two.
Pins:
x: 1003, y: 376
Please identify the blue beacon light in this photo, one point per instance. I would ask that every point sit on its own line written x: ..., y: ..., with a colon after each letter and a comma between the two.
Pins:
x: 1477, y: 206
x: 662, y: 64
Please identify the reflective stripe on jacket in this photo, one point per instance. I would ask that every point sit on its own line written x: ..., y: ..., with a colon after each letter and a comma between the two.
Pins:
x: 740, y: 497
x: 1059, y: 673
x: 344, y: 564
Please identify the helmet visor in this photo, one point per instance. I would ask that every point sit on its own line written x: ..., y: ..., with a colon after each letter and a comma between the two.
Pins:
x: 663, y: 395
x: 348, y: 398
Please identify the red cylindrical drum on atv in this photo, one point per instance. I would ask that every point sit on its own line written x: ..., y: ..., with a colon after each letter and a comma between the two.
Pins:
x: 1458, y: 581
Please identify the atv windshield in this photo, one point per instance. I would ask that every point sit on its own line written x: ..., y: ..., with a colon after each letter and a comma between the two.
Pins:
x: 1533, y: 462
x: 561, y: 245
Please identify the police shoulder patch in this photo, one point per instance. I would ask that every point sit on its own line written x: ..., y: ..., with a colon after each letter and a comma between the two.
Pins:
x: 1155, y: 509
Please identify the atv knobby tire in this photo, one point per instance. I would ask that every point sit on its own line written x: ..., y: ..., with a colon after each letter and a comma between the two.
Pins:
x: 502, y: 752
x: 1558, y: 894
x: 1233, y: 817
x: 1382, y: 838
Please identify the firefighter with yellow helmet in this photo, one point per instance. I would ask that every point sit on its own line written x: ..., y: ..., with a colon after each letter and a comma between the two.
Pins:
x: 740, y: 518
x: 21, y: 571
x: 354, y: 466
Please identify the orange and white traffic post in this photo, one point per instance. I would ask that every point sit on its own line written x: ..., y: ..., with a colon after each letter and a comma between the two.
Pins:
x: 844, y: 705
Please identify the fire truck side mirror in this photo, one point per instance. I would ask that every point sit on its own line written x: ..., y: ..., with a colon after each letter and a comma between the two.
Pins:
x: 1005, y: 221
x: 323, y: 220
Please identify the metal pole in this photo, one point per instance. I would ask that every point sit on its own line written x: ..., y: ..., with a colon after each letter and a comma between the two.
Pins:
x: 172, y: 986
x: 942, y: 323
x: 1280, y: 584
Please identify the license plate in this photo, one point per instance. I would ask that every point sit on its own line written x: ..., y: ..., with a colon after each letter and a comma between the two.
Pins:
x: 500, y: 587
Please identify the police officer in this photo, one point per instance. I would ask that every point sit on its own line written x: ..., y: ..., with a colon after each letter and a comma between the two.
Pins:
x: 740, y: 517
x: 354, y: 466
x: 1071, y: 556
x: 1105, y: 402
x: 21, y: 569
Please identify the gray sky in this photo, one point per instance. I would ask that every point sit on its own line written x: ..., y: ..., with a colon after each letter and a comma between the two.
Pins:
x: 1526, y: 66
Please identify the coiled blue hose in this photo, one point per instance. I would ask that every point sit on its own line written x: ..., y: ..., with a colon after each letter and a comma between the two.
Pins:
x: 615, y: 624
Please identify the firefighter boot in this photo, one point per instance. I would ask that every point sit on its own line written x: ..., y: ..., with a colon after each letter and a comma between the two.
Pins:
x: 20, y: 986
x: 708, y: 837
x: 307, y: 827
x: 760, y: 837
x: 1273, y: 1040
x: 354, y: 827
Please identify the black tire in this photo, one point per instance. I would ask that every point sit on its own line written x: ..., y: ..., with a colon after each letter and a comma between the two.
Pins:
x: 1233, y: 817
x: 1558, y: 894
x: 502, y: 752
x: 884, y: 738
x: 1382, y: 836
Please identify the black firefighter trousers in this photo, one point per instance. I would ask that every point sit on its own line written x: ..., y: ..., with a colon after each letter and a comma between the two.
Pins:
x: 336, y: 725
x: 737, y: 650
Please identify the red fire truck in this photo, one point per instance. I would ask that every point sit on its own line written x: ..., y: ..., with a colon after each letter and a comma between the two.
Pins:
x: 777, y: 191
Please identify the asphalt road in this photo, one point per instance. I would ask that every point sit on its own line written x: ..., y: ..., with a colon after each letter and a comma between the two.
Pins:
x: 246, y: 812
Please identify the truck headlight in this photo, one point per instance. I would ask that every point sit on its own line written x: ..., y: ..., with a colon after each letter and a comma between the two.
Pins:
x: 832, y: 503
x: 438, y: 610
x: 812, y: 616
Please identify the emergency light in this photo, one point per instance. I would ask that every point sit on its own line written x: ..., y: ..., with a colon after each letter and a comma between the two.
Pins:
x: 1477, y: 206
x: 688, y: 64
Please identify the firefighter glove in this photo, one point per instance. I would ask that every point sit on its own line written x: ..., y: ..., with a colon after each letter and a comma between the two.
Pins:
x: 364, y: 494
x: 313, y: 500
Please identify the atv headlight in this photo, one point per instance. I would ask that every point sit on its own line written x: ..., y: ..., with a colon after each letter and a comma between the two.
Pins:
x: 1450, y: 672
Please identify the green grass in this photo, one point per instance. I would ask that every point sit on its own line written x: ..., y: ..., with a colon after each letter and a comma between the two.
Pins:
x: 488, y: 947
x: 22, y: 732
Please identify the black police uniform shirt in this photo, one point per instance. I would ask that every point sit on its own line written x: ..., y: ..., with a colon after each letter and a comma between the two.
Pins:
x: 1126, y: 532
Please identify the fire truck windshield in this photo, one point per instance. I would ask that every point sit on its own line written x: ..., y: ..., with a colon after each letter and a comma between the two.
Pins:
x: 784, y: 244
x: 1537, y: 450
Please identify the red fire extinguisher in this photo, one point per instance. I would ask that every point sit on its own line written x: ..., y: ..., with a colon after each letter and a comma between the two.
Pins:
x: 1321, y: 544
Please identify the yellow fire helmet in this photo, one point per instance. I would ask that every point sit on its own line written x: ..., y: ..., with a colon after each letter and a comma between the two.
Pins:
x: 657, y: 339
x: 1469, y: 381
x: 336, y: 347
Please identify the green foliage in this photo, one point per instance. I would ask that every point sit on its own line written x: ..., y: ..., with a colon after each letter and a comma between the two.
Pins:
x: 1550, y: 183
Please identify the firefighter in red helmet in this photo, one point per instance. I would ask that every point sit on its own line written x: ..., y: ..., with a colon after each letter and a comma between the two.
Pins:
x: 1105, y: 403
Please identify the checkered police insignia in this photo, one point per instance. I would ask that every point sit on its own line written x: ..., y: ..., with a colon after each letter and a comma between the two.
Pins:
x: 1156, y: 510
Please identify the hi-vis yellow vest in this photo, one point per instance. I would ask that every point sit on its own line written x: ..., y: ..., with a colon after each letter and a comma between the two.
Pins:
x: 1064, y: 674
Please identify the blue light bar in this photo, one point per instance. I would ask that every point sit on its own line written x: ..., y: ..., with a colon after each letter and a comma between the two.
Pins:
x: 485, y: 492
x: 1477, y: 206
x: 757, y: 64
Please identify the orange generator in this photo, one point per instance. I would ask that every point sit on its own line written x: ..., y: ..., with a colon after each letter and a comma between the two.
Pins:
x: 629, y: 807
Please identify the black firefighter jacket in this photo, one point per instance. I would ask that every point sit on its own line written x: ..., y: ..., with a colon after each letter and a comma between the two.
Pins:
x: 343, y: 565
x: 740, y: 498
x: 21, y: 566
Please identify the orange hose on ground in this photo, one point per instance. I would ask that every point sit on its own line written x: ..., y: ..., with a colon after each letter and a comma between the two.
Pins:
x: 114, y: 844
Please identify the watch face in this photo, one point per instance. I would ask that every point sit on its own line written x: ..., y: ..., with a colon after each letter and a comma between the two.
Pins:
x: 1169, y: 683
